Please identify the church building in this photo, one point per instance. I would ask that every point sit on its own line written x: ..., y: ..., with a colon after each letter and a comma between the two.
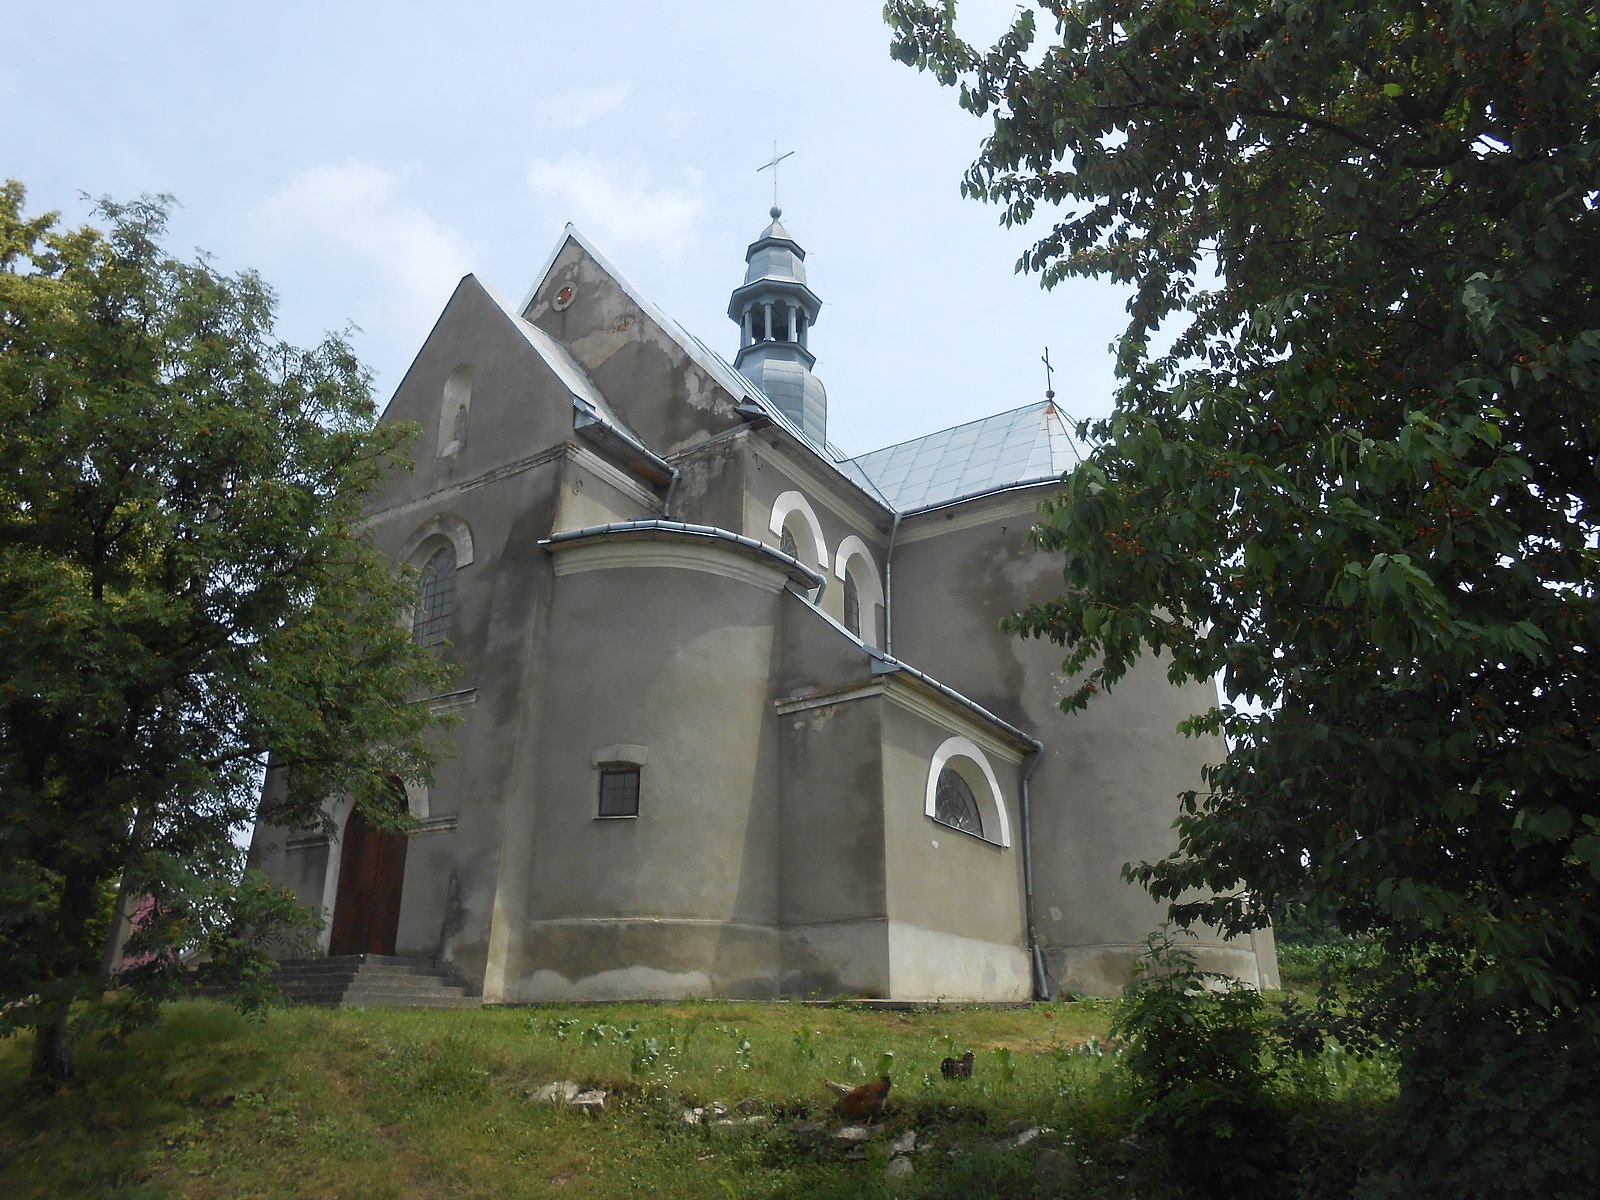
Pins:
x: 734, y: 715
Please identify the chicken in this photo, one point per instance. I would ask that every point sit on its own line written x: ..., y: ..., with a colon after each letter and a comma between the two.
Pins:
x: 861, y: 1103
x: 957, y: 1068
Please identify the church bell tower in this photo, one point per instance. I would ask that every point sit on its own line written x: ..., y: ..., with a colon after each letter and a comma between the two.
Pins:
x: 775, y: 311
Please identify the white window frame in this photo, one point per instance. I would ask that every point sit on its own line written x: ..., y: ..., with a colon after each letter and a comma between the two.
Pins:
x: 964, y: 756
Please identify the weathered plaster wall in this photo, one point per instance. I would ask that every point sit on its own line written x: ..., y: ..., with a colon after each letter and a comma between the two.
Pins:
x: 775, y: 464
x: 651, y: 646
x: 1105, y: 792
x: 656, y: 388
x: 955, y: 900
x: 834, y: 905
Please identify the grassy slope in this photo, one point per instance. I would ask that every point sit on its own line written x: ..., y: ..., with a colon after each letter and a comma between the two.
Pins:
x: 397, y: 1103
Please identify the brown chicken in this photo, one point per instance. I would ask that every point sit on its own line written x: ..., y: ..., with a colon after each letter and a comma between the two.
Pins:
x: 861, y: 1103
x: 957, y: 1068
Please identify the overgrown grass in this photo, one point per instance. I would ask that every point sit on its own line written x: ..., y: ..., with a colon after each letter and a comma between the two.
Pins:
x: 405, y: 1103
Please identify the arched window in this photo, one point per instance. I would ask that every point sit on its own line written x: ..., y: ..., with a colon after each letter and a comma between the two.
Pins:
x: 964, y: 794
x: 856, y: 569
x: 799, y: 533
x: 852, y: 606
x: 955, y: 805
x: 430, y: 624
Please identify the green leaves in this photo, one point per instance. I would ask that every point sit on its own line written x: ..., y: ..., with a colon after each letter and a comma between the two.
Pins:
x: 182, y: 590
x: 1359, y: 481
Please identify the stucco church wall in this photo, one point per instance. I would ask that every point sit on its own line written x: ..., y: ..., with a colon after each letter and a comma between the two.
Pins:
x: 677, y: 660
x: 775, y: 465
x: 711, y: 488
x: 831, y: 871
x: 655, y: 387
x: 1105, y: 792
x: 449, y: 894
x: 517, y: 406
x: 955, y: 900
x: 590, y: 494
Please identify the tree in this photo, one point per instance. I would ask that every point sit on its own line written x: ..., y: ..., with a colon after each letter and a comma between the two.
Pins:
x: 1352, y: 465
x: 184, y: 587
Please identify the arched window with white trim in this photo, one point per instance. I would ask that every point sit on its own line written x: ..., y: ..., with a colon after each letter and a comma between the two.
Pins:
x: 857, y: 570
x: 794, y: 523
x: 963, y: 793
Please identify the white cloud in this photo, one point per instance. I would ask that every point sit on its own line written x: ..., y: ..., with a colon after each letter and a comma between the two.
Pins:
x: 621, y: 206
x: 359, y: 207
x: 578, y: 107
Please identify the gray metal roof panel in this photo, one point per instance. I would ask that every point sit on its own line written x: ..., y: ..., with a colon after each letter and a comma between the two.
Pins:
x: 1026, y: 445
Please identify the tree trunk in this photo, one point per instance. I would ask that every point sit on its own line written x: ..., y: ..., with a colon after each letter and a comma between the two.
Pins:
x: 52, y: 1048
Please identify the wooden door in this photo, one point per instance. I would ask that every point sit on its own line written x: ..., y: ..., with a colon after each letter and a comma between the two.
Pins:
x: 372, y: 868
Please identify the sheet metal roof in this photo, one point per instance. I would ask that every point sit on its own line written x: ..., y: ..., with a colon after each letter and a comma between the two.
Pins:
x: 1026, y: 445
x: 1031, y: 444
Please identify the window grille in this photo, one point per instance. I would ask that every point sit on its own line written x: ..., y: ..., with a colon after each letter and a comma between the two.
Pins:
x: 787, y: 544
x: 431, y: 623
x: 619, y: 791
x: 954, y: 804
x: 852, y: 606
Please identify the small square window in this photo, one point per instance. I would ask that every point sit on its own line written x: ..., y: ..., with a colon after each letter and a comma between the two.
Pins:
x: 619, y: 791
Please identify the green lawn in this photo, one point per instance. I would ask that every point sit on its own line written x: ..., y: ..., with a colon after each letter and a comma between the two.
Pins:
x: 409, y: 1103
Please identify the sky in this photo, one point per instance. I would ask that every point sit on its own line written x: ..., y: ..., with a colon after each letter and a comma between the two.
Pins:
x: 363, y: 157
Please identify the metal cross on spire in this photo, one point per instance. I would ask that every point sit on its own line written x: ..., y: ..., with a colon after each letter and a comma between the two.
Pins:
x: 1049, y: 389
x: 773, y: 163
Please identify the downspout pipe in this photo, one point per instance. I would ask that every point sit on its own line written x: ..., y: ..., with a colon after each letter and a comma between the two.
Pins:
x: 666, y: 503
x: 1041, y: 981
x: 888, y: 588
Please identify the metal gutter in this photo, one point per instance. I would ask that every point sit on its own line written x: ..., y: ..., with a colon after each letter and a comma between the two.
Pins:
x: 884, y: 663
x: 683, y: 529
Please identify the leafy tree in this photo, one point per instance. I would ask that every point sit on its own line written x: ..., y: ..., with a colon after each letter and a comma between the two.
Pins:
x: 183, y: 587
x: 1352, y: 465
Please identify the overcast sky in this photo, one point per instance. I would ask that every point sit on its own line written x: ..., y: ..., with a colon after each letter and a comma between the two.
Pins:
x: 364, y: 156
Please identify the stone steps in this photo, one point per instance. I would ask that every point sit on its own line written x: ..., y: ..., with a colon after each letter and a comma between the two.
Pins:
x: 371, y: 981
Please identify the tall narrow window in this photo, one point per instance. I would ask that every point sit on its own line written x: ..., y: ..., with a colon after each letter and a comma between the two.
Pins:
x: 431, y: 623
x: 852, y: 606
x: 955, y: 804
x: 453, y: 408
x: 787, y: 544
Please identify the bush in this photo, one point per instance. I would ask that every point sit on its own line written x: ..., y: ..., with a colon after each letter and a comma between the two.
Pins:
x: 1197, y: 1067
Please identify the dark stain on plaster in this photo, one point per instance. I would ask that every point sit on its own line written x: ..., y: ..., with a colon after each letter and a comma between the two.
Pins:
x: 453, y: 921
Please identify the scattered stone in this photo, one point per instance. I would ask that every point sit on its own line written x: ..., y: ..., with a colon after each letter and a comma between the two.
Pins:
x: 727, y: 1124
x: 752, y: 1106
x: 591, y: 1101
x: 905, y: 1143
x: 898, y: 1170
x: 717, y: 1109
x: 563, y: 1091
x: 693, y: 1116
x: 853, y: 1134
x: 1030, y: 1133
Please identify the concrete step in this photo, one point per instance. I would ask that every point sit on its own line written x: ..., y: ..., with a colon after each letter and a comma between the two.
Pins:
x: 371, y: 980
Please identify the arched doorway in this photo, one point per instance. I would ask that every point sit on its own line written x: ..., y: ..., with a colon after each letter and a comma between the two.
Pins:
x: 372, y: 868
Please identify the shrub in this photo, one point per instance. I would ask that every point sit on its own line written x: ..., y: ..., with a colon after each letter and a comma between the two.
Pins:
x: 1196, y: 1065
